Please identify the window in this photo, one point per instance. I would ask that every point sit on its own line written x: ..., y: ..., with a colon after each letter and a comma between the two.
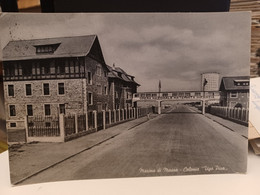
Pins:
x: 43, y: 49
x: 28, y: 89
x: 27, y: 69
x: 105, y: 107
x: 9, y: 70
x: 47, y: 109
x: 29, y: 110
x: 46, y: 89
x: 99, y: 107
x: 12, y: 110
x: 61, y: 69
x: 89, y: 78
x: 62, y: 108
x: 46, y: 69
x: 90, y: 98
x: 233, y: 95
x: 105, y: 89
x: 241, y: 82
x: 61, y: 90
x: 99, y: 89
x: 98, y: 70
x: 11, y: 90
x: 116, y: 94
x: 12, y: 124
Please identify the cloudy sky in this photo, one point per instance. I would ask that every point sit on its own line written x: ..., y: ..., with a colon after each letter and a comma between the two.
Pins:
x: 173, y: 48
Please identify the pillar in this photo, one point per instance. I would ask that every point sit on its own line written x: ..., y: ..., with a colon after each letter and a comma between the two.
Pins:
x: 203, y: 107
x: 62, y: 127
x: 76, y: 123
x: 159, y: 107
x: 26, y: 128
x: 104, y: 119
x: 109, y: 116
x: 95, y: 119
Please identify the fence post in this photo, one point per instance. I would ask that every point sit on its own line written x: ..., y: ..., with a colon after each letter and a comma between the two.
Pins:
x: 247, y: 112
x: 114, y: 116
x: 62, y: 127
x: 26, y: 128
x: 239, y: 114
x: 226, y: 112
x: 95, y: 119
x: 109, y: 117
x: 236, y: 113
x: 134, y: 113
x: 123, y: 115
x: 76, y: 123
x: 104, y: 119
x: 137, y: 116
x: 86, y: 116
x: 119, y: 116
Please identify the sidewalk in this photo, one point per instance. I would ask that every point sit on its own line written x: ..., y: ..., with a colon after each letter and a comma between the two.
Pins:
x: 29, y: 159
x: 240, y: 129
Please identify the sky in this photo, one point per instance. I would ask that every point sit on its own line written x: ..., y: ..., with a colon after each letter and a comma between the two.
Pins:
x: 173, y: 48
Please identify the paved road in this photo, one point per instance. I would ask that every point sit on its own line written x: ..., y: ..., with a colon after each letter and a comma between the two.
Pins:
x: 179, y: 142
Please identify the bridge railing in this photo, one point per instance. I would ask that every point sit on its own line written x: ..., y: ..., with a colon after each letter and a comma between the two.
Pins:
x: 176, y: 95
x: 236, y: 114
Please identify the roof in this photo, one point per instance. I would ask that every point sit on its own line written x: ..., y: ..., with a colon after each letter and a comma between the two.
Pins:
x: 228, y: 83
x: 69, y: 47
x: 119, y: 73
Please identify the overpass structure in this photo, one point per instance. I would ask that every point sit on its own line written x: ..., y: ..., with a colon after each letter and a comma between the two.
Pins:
x: 205, y: 97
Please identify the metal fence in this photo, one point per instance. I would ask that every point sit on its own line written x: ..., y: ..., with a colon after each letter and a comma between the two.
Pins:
x: 43, y: 126
x: 81, y: 122
x: 69, y: 125
x: 65, y: 127
x: 99, y: 120
x: 91, y: 120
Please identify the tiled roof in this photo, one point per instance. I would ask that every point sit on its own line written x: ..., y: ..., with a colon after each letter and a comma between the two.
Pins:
x: 228, y: 83
x: 119, y: 73
x: 69, y: 47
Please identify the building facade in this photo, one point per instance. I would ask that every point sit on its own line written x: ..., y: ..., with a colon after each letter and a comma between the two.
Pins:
x: 210, y: 81
x: 123, y: 86
x: 46, y: 77
x: 235, y: 92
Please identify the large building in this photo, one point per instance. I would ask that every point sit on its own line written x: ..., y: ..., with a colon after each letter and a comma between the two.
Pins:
x: 57, y: 75
x: 123, y: 85
x: 235, y: 91
x: 210, y: 81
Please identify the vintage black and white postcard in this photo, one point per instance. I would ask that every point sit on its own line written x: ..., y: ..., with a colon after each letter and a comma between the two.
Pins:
x: 91, y: 96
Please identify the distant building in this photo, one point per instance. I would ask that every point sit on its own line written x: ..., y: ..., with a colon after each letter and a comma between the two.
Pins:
x: 60, y: 75
x: 235, y: 91
x: 210, y: 81
x: 123, y: 86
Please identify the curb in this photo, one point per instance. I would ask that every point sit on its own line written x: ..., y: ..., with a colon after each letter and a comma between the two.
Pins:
x: 64, y: 159
x: 225, y: 126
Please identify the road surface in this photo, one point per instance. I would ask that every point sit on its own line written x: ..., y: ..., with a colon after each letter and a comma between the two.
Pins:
x: 178, y: 142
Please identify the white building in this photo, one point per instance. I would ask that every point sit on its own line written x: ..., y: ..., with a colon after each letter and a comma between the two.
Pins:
x: 210, y: 81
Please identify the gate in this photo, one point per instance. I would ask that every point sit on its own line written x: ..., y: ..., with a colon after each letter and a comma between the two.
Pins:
x: 43, y: 126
